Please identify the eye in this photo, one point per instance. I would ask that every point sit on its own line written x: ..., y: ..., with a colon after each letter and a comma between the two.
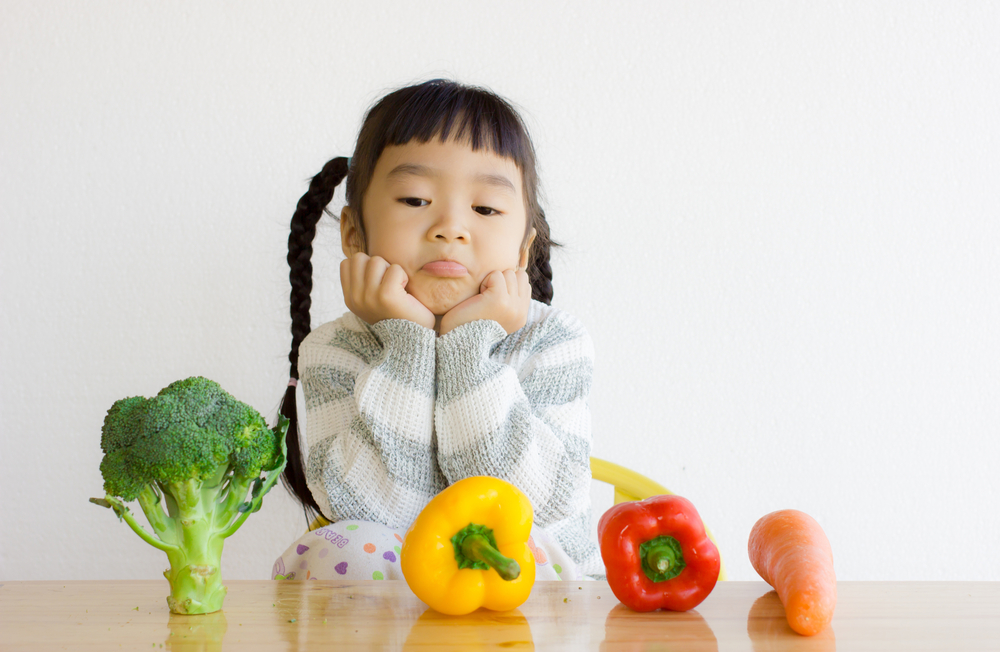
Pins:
x: 487, y: 209
x: 408, y: 200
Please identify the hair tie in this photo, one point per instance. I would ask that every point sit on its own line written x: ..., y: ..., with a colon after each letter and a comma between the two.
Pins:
x: 293, y: 382
x: 348, y: 162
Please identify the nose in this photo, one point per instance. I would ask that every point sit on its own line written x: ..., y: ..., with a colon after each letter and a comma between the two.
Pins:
x: 449, y: 225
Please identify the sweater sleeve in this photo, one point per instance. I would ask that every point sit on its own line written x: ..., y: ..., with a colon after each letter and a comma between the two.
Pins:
x: 530, y: 426
x: 369, y: 394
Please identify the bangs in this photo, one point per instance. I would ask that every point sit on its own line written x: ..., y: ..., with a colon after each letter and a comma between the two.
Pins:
x: 465, y: 114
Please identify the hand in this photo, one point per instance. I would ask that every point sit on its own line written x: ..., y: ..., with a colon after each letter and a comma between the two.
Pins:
x: 503, y: 297
x: 375, y: 290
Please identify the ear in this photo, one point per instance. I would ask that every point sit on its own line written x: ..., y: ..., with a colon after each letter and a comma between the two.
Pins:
x: 526, y: 250
x: 350, y: 239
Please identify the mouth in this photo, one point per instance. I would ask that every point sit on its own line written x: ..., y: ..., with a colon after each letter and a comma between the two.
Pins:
x: 445, y: 268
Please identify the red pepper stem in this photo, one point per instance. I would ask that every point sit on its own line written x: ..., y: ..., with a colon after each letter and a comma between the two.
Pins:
x: 661, y: 558
x: 477, y: 547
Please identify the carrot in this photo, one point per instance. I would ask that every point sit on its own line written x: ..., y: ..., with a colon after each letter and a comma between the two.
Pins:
x: 790, y: 551
x: 768, y: 630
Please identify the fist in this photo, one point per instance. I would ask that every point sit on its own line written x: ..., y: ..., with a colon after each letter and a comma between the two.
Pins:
x: 375, y: 290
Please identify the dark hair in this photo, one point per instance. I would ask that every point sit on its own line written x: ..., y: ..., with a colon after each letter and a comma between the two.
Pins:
x: 437, y: 107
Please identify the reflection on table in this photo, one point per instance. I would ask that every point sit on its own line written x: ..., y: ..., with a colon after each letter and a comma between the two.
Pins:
x: 769, y: 630
x: 321, y: 615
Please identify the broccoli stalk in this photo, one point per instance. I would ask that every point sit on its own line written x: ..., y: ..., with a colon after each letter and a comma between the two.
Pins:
x: 190, y: 456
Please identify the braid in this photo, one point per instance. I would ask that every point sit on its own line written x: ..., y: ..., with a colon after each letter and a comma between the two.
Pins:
x: 303, y: 229
x: 308, y: 211
x: 539, y: 269
x: 540, y: 275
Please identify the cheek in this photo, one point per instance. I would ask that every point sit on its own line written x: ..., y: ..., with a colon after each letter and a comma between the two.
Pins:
x: 394, y: 241
x: 382, y: 247
x: 501, y: 253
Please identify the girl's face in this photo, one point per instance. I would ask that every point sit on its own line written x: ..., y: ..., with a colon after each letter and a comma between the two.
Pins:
x: 438, y: 201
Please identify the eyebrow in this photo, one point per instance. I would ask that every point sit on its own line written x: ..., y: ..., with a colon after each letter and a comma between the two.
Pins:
x: 495, y: 180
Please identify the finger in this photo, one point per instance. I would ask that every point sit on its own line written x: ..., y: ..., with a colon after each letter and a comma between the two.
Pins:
x: 374, y: 272
x: 510, y: 276
x: 523, y: 285
x: 358, y: 263
x: 493, y: 280
x: 345, y: 281
x: 395, y: 279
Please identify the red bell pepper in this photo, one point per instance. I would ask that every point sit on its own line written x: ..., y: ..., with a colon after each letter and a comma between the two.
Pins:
x: 657, y: 554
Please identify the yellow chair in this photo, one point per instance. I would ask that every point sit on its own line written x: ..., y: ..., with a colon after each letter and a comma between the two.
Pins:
x: 628, y: 485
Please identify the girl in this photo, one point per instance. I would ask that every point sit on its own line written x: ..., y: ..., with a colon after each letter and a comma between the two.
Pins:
x: 451, y: 362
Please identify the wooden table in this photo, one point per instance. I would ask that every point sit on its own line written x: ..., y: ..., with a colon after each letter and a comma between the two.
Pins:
x: 332, y: 616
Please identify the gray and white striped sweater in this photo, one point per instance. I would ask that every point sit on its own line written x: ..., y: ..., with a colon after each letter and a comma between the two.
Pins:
x: 394, y: 414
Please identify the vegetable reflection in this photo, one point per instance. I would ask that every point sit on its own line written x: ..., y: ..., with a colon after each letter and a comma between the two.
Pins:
x: 480, y: 630
x: 625, y: 629
x: 199, y: 633
x: 769, y: 630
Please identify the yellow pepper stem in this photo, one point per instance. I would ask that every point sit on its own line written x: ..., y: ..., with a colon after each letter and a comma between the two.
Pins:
x: 475, y: 547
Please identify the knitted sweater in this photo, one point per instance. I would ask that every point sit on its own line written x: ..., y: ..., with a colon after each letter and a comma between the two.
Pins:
x: 394, y: 414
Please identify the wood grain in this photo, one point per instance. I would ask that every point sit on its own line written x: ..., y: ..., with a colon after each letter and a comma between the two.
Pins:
x: 321, y: 615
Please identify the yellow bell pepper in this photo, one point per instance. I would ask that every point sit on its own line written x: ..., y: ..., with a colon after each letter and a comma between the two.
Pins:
x: 468, y: 548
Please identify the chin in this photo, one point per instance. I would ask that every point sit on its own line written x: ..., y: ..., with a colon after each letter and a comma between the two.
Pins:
x: 441, y: 297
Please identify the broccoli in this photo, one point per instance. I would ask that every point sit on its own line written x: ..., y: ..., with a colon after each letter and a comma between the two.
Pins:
x: 190, y: 455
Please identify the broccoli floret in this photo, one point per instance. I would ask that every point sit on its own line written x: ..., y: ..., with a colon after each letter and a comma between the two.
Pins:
x: 193, y: 456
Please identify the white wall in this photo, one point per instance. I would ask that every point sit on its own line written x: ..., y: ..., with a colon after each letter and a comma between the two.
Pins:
x: 781, y: 223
